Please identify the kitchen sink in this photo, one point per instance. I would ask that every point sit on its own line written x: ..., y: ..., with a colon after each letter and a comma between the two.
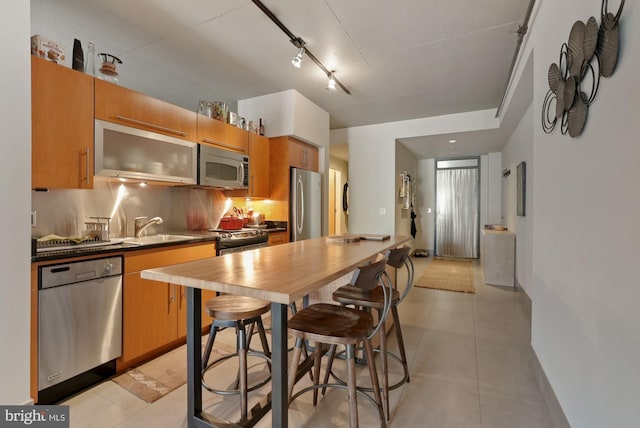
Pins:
x: 157, y: 239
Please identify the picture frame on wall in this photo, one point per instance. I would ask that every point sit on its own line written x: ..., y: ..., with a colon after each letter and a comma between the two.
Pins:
x: 521, y: 188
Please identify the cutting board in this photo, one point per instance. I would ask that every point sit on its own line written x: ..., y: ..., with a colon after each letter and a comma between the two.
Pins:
x: 357, y: 237
x: 343, y: 238
x: 374, y: 237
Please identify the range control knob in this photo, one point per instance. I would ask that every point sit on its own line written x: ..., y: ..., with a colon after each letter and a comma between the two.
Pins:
x: 108, y: 267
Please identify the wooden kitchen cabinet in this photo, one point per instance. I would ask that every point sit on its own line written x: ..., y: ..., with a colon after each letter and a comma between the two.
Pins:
x: 276, y: 238
x: 303, y: 155
x: 61, y: 127
x: 154, y: 314
x: 149, y: 316
x: 117, y: 104
x: 220, y: 134
x: 259, y: 180
x: 259, y: 183
x: 285, y: 152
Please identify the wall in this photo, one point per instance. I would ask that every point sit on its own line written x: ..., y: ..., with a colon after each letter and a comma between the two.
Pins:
x: 518, y: 149
x: 426, y: 200
x: 289, y: 113
x: 372, y: 162
x: 15, y: 167
x: 493, y: 190
x: 585, y: 231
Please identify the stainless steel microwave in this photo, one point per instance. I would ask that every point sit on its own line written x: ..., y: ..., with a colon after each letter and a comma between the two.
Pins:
x: 222, y: 168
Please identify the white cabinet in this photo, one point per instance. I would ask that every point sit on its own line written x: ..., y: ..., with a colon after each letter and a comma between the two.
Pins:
x: 498, y: 257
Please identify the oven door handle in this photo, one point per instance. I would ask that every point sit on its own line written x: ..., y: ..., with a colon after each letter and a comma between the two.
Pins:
x: 230, y: 250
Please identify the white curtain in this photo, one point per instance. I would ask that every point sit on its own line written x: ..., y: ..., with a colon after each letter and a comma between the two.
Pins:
x: 457, y: 219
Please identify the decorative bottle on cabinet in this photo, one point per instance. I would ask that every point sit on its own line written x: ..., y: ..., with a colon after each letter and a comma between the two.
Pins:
x: 90, y: 67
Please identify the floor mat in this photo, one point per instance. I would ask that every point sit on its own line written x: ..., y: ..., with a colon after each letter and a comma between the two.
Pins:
x: 448, y: 274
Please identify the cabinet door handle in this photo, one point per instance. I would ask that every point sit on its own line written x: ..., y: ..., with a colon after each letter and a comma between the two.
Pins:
x: 218, y: 143
x: 86, y: 176
x: 152, y: 125
x: 172, y: 294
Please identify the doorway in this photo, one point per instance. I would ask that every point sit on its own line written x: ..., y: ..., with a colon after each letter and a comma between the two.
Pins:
x: 457, y: 207
x: 335, y: 195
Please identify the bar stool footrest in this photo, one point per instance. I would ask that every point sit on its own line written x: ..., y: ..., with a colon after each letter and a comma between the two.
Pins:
x: 220, y: 360
x: 405, y: 378
x: 359, y: 391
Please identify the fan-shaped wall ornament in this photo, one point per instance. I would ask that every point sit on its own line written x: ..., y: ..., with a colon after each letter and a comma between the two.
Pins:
x: 590, y: 52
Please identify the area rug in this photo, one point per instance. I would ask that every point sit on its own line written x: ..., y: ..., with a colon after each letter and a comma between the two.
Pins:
x: 158, y: 377
x: 448, y: 274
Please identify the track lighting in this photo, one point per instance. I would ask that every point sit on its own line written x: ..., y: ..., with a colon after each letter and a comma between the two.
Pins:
x: 331, y: 84
x: 297, y: 60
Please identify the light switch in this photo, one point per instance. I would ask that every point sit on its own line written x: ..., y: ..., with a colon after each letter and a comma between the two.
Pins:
x: 428, y: 210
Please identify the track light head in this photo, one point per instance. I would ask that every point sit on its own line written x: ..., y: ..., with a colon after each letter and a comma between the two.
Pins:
x: 331, y: 84
x: 296, y: 61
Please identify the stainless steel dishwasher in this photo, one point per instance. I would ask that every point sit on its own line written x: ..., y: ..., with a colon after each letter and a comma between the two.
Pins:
x: 79, y: 325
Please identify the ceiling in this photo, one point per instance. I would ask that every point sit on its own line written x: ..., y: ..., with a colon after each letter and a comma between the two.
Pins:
x: 401, y: 60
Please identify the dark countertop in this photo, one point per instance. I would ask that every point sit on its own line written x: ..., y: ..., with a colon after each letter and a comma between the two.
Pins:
x: 277, y: 229
x: 198, y: 237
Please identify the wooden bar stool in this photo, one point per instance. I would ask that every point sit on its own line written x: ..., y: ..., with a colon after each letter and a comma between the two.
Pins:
x: 239, y: 312
x: 368, y: 299
x: 335, y: 325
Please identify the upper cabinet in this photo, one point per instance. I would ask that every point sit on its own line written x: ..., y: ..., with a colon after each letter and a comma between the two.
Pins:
x: 61, y: 126
x: 258, y: 166
x: 114, y: 103
x: 285, y: 152
x: 124, y: 152
x: 303, y: 155
x: 220, y: 134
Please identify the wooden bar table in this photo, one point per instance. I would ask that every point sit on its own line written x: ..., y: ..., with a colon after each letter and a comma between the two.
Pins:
x: 281, y: 274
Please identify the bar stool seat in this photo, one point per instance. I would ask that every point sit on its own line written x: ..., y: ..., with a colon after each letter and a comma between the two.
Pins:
x: 238, y: 312
x: 329, y: 324
x: 375, y: 299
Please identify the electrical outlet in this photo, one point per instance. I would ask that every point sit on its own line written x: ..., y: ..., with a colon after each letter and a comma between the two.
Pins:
x: 428, y: 210
x: 34, y: 219
x: 381, y: 211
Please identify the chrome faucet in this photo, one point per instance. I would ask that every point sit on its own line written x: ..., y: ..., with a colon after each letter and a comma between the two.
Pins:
x: 139, y: 225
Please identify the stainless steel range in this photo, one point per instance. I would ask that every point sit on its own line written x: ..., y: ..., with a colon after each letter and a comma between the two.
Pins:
x: 239, y: 240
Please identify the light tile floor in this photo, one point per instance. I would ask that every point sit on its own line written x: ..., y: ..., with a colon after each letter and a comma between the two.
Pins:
x: 469, y: 362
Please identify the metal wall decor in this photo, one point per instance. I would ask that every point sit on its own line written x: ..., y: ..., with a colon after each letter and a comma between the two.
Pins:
x: 590, y: 52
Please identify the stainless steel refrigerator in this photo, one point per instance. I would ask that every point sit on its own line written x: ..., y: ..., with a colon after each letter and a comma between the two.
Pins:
x: 306, y: 204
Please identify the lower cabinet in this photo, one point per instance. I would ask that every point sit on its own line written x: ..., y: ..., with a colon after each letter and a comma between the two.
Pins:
x: 155, y: 313
x: 498, y: 257
x: 276, y: 238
